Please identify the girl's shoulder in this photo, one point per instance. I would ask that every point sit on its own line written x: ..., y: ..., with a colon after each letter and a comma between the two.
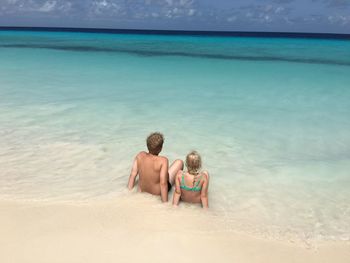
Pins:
x: 205, y: 175
x: 179, y: 173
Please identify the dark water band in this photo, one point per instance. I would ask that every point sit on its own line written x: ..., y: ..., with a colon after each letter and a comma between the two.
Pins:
x: 204, y: 33
x: 148, y: 53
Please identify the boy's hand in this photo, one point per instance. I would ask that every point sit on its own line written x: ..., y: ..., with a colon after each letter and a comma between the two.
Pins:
x: 133, y: 175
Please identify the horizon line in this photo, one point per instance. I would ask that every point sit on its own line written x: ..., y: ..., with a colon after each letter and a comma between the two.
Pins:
x: 275, y: 34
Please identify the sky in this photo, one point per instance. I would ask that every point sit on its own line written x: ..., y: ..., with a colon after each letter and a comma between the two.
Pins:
x: 321, y: 16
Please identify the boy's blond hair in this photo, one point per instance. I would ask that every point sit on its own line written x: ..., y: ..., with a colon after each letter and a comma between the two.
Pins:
x: 155, y: 142
x: 193, y: 162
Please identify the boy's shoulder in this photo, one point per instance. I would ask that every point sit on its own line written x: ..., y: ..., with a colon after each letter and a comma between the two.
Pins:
x: 163, y: 158
x: 141, y: 154
x: 159, y: 157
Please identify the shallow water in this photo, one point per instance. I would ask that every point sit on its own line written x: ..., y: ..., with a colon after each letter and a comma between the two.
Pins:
x: 270, y: 117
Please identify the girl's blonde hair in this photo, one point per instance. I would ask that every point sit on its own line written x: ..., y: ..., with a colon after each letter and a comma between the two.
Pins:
x: 193, y: 162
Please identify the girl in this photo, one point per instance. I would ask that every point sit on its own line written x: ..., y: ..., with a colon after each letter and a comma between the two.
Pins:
x: 192, y: 186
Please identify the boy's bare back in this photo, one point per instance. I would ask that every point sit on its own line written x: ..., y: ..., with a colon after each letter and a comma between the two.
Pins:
x: 151, y: 168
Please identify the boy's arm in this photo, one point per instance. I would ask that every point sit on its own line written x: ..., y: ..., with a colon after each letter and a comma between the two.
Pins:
x: 164, y: 175
x: 133, y: 174
x: 177, y: 192
x: 204, y: 192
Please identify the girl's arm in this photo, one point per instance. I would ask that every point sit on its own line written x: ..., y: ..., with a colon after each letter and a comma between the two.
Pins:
x: 177, y: 192
x: 204, y: 191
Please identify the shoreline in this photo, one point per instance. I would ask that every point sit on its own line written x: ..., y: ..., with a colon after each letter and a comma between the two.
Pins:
x: 133, y: 229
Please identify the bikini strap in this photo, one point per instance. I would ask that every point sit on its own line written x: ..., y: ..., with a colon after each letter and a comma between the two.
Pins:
x: 198, y: 182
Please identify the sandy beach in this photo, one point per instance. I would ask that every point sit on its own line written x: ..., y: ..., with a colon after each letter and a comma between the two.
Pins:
x: 269, y: 116
x: 131, y: 229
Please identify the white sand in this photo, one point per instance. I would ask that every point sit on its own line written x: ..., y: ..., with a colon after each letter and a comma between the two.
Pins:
x: 135, y: 229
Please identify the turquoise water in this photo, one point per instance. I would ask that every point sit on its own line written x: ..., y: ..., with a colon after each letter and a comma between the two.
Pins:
x: 269, y: 116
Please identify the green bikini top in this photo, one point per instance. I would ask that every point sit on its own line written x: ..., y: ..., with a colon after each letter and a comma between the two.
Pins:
x: 195, y: 188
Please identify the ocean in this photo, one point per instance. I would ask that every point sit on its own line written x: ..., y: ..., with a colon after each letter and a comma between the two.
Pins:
x: 270, y: 117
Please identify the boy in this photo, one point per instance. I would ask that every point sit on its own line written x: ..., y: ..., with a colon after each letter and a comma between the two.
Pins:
x: 156, y: 177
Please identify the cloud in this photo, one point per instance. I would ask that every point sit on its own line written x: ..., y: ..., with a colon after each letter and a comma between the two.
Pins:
x: 48, y: 6
x: 35, y: 6
x: 199, y: 13
x: 104, y: 7
x: 283, y: 1
x: 338, y: 3
x: 339, y: 19
x: 162, y: 9
x: 262, y: 13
